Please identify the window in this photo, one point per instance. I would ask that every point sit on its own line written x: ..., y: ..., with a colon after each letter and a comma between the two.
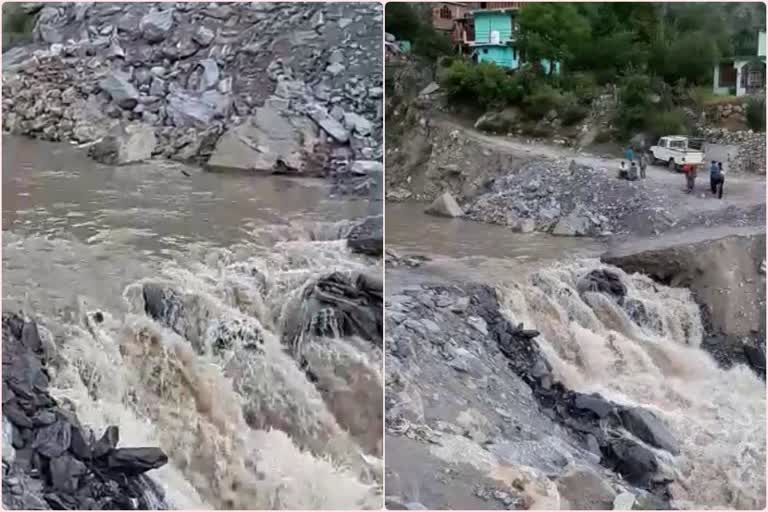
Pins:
x: 483, y: 5
x: 485, y: 50
x: 445, y: 13
x: 677, y: 144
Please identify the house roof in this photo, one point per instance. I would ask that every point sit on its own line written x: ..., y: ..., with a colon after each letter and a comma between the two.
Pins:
x: 500, y: 9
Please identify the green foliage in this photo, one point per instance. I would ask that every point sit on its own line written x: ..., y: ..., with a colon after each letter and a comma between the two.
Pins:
x: 756, y: 114
x: 673, y: 122
x: 17, y: 25
x: 571, y: 110
x: 542, y: 101
x: 403, y: 21
x: 583, y: 85
x: 689, y: 57
x: 551, y: 31
x: 485, y: 84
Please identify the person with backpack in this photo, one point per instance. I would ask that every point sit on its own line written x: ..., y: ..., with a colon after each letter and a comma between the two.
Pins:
x: 714, y: 176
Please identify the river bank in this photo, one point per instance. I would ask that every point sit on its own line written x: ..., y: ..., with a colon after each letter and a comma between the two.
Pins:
x: 258, y: 88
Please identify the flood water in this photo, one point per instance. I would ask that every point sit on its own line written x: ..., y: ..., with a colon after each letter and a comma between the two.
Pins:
x: 463, y: 250
x: 73, y: 226
x: 241, y: 251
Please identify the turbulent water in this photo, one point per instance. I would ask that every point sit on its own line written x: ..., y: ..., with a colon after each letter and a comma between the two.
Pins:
x: 243, y: 425
x: 647, y: 353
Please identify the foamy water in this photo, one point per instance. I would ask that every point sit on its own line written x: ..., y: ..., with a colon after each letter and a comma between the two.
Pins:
x: 717, y: 415
x: 242, y: 424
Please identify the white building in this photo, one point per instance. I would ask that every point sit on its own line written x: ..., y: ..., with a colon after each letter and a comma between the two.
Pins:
x: 743, y: 74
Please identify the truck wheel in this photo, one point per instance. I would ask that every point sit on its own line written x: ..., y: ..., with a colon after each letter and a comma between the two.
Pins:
x: 671, y: 165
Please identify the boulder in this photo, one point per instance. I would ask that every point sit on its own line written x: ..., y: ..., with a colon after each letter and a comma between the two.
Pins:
x: 499, y: 122
x: 603, y: 281
x: 366, y: 167
x: 53, y: 440
x: 445, y: 206
x: 188, y: 111
x: 108, y: 442
x: 357, y: 123
x: 125, y: 144
x: 156, y: 25
x: 330, y: 125
x: 267, y: 141
x: 646, y: 426
x: 205, y: 76
x: 203, y: 36
x: 66, y: 472
x: 595, y: 404
x: 120, y: 89
x: 577, y: 223
x: 586, y: 490
x: 135, y: 461
x: 429, y: 89
x: 9, y: 452
x: 624, y: 501
x: 636, y: 463
x: 367, y: 237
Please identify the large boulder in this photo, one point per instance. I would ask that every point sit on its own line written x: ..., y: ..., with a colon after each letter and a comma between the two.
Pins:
x: 125, y: 144
x: 504, y: 121
x: 367, y: 237
x: 576, y: 223
x: 603, y: 281
x: 445, y: 206
x: 330, y: 125
x: 267, y: 141
x: 120, y: 89
x: 156, y: 25
x: 586, y: 490
x: 186, y: 110
x: 205, y: 76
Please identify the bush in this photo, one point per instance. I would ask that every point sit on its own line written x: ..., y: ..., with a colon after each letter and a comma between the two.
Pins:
x: 543, y: 100
x: 756, y: 114
x: 571, y: 111
x: 583, y: 85
x: 484, y: 84
x: 674, y: 122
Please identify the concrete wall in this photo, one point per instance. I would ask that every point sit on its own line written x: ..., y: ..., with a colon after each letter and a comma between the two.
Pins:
x: 486, y: 22
x: 504, y: 56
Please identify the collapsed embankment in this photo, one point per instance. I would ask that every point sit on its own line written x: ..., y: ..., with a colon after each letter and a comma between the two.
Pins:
x: 580, y: 386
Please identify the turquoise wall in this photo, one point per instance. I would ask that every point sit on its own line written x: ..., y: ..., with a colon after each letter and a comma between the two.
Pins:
x: 504, y: 56
x: 485, y: 22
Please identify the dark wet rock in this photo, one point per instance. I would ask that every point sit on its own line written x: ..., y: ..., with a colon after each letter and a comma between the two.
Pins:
x: 367, y: 237
x: 594, y: 403
x: 53, y: 440
x: 635, y: 462
x: 66, y: 471
x: 603, y: 281
x: 340, y: 303
x: 646, y: 426
x: 30, y: 337
x: 134, y: 461
x: 52, y: 466
x: 107, y: 443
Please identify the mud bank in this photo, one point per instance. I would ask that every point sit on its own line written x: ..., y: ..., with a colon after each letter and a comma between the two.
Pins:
x: 727, y: 278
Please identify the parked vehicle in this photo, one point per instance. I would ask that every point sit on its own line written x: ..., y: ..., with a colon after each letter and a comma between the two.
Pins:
x: 674, y: 151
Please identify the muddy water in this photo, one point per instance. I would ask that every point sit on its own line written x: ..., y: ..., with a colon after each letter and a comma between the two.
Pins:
x: 463, y: 250
x: 71, y: 225
x: 79, y: 237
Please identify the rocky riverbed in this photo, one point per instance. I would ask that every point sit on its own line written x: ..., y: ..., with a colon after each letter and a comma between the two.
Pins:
x: 268, y: 87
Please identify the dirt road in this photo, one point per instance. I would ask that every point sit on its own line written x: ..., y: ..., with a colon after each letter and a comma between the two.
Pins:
x: 742, y: 191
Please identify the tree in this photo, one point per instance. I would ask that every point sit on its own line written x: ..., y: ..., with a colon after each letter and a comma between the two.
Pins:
x: 551, y: 31
x: 402, y: 20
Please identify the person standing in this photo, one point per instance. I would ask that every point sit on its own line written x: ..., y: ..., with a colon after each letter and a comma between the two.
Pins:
x: 629, y: 155
x: 714, y: 176
x: 643, y: 164
x: 721, y: 180
x: 690, y: 177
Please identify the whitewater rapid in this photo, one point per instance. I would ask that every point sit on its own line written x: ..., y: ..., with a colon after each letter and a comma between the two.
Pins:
x: 243, y: 425
x: 647, y: 353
